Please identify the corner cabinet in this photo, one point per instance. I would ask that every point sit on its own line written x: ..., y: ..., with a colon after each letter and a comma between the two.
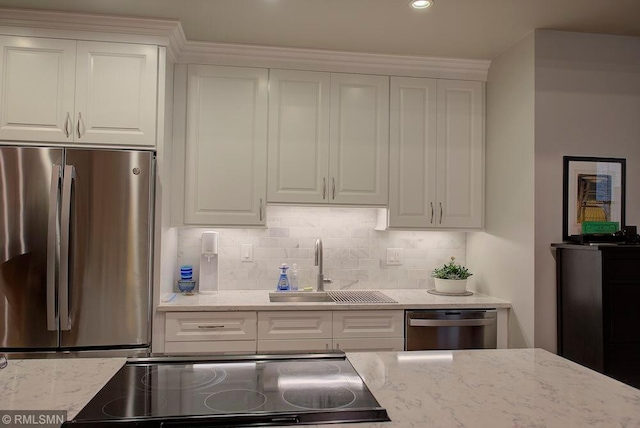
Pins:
x: 67, y: 91
x: 436, y: 153
x: 328, y: 138
x: 226, y: 146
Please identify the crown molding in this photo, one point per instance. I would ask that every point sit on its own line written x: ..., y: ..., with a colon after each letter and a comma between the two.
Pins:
x: 169, y: 33
x: 337, y: 61
x: 85, y: 26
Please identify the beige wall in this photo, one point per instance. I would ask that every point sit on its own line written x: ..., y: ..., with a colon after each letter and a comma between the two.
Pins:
x: 587, y: 103
x: 502, y: 258
x: 553, y: 94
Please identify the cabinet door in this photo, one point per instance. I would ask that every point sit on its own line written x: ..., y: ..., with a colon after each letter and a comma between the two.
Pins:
x: 300, y: 345
x: 116, y: 93
x: 361, y: 324
x: 38, y: 80
x: 226, y: 146
x: 294, y: 325
x: 298, y: 136
x: 460, y: 154
x: 203, y: 326
x: 359, y: 145
x: 412, y: 170
x: 374, y: 344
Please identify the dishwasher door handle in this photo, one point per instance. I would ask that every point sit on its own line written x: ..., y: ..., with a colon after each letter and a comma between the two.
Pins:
x: 450, y: 323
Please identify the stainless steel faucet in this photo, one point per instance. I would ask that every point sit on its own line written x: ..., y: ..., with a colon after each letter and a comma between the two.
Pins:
x: 319, y: 256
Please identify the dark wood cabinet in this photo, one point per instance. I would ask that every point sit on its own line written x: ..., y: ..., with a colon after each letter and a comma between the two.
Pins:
x: 598, y: 312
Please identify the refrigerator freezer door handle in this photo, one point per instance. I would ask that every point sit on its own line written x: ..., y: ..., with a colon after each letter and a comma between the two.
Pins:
x: 67, y: 185
x: 51, y: 247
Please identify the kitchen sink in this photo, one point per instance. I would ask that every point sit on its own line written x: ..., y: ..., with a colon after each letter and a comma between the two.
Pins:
x: 335, y: 296
x: 300, y: 296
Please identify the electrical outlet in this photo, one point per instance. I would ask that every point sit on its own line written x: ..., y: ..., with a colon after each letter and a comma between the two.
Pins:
x: 246, y: 252
x: 395, y: 257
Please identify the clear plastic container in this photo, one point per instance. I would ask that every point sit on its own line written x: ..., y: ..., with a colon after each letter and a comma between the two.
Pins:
x: 293, y: 281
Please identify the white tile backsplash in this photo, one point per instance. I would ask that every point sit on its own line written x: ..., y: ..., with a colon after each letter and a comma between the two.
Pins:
x: 354, y: 253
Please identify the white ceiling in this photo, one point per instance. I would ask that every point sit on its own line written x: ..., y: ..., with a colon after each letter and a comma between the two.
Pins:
x: 480, y: 29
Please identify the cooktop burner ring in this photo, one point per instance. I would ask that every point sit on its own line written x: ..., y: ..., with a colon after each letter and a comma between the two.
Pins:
x: 309, y: 368
x: 235, y: 400
x: 310, y: 399
x: 194, y: 379
x: 117, y: 408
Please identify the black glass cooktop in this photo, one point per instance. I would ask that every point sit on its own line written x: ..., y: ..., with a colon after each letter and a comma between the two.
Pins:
x: 244, y: 391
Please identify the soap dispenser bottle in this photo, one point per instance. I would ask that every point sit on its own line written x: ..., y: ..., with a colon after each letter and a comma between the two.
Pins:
x: 283, y: 281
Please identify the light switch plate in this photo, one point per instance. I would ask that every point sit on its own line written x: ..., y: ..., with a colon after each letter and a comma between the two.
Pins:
x: 246, y: 252
x: 395, y: 257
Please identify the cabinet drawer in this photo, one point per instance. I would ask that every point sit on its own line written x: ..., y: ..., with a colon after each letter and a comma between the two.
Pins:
x: 368, y: 324
x: 377, y: 344
x: 204, y: 326
x: 302, y: 345
x: 211, y: 347
x: 294, y: 325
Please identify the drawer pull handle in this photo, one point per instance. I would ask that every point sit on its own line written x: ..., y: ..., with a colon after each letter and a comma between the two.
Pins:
x: 210, y: 327
x: 450, y: 323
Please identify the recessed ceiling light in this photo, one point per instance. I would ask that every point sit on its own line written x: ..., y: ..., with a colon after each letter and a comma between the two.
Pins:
x: 421, y: 4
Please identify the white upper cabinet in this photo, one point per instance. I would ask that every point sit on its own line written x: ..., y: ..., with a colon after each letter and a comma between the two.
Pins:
x: 328, y: 138
x: 460, y: 153
x: 37, y: 94
x: 226, y: 146
x: 298, y: 136
x: 436, y: 156
x: 78, y: 92
x: 116, y: 93
x: 412, y: 179
x: 359, y: 153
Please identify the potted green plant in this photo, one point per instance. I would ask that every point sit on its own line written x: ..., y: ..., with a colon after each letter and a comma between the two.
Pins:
x: 451, y: 278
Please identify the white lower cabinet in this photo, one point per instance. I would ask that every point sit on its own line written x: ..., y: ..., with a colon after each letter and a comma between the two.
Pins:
x: 294, y: 331
x: 282, y: 331
x: 301, y: 345
x: 303, y: 331
x: 368, y: 330
x: 373, y: 344
x: 210, y: 333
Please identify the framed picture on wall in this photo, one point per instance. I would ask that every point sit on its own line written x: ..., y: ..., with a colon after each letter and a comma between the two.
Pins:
x: 594, y: 195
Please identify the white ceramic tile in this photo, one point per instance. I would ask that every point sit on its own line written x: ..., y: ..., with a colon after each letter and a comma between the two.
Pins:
x: 350, y: 244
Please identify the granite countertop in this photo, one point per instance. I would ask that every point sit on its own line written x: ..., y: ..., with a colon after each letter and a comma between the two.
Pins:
x: 252, y: 300
x: 54, y: 384
x: 478, y: 388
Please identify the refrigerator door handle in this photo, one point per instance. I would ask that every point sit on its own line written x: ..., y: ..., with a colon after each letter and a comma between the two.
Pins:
x: 65, y: 233
x: 52, y: 234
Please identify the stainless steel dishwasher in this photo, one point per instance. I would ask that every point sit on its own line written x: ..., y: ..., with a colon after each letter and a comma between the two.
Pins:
x: 450, y: 329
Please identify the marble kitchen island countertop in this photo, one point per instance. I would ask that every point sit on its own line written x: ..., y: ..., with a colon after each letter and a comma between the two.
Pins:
x: 54, y: 383
x: 436, y: 389
x: 252, y: 300
x: 493, y: 388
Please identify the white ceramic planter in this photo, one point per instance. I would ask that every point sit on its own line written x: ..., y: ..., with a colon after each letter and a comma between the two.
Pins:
x: 453, y: 286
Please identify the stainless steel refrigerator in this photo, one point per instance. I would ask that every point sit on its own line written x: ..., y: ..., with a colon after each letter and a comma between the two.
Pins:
x: 75, y: 250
